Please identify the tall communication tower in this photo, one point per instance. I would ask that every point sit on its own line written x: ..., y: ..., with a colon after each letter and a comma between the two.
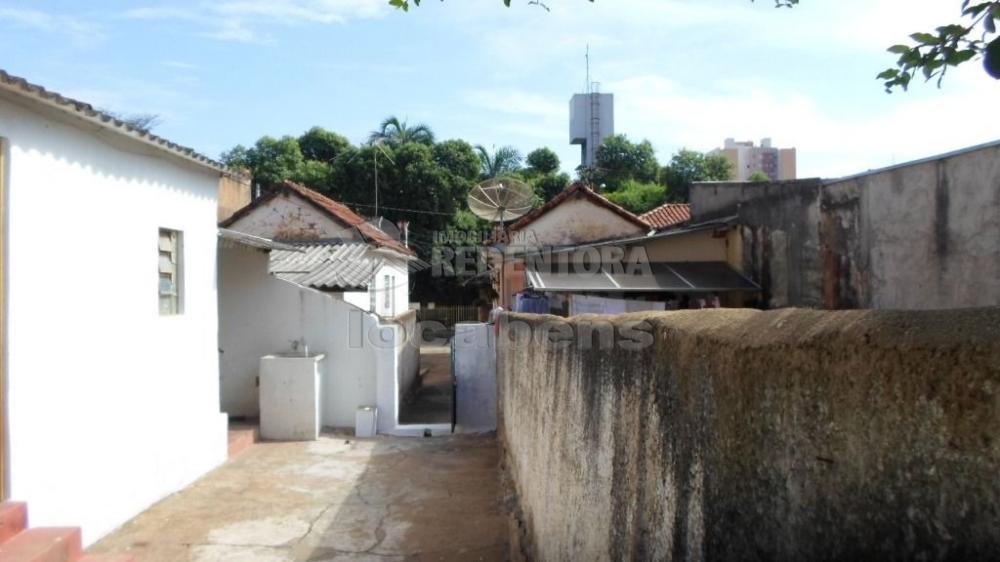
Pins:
x: 591, y: 118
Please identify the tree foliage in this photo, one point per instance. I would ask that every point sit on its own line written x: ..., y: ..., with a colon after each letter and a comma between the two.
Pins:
x: 395, y: 131
x: 639, y: 197
x: 618, y: 160
x: 542, y: 161
x: 758, y: 176
x: 930, y: 54
x: 502, y: 161
x: 689, y: 166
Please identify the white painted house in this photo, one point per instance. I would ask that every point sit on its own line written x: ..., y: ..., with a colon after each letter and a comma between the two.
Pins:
x: 341, y: 289
x: 294, y: 213
x: 110, y: 347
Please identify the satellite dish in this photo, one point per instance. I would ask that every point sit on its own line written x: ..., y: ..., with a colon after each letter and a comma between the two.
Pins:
x: 501, y: 199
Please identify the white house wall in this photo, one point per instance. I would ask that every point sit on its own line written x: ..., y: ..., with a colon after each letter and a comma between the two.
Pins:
x: 111, y: 406
x: 260, y: 314
x: 399, y: 304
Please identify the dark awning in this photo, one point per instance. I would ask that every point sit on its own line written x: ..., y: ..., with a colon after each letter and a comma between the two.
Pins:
x: 673, y: 277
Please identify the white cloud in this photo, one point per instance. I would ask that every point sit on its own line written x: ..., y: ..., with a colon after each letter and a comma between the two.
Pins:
x: 79, y: 30
x: 693, y: 73
x: 829, y: 143
x: 237, y: 20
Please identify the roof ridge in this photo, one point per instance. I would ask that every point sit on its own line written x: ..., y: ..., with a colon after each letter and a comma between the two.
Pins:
x: 574, y: 188
x: 23, y: 87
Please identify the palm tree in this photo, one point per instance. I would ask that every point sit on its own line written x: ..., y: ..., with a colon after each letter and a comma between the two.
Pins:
x: 394, y: 131
x: 504, y: 160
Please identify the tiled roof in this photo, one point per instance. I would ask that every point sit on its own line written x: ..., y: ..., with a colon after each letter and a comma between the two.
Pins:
x: 21, y: 87
x: 338, y: 211
x: 667, y: 215
x: 346, y: 267
x: 580, y: 190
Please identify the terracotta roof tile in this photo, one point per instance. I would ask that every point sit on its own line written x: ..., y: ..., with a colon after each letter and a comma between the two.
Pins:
x: 338, y: 211
x: 667, y: 215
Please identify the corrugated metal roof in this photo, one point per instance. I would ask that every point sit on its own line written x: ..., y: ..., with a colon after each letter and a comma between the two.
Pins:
x: 85, y: 111
x: 255, y: 241
x: 343, y: 267
x: 667, y: 215
x: 679, y: 277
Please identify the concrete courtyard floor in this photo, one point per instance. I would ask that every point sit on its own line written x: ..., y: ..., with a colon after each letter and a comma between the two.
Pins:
x: 337, y: 498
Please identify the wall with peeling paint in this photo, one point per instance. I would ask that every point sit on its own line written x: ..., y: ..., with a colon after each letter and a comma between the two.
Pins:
x: 750, y: 435
x: 923, y: 235
x: 920, y: 235
x: 778, y: 227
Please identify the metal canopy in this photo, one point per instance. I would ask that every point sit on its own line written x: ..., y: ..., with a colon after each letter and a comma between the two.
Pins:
x: 672, y: 277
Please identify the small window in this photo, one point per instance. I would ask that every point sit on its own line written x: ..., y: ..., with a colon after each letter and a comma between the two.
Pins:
x: 387, y: 293
x: 171, y: 270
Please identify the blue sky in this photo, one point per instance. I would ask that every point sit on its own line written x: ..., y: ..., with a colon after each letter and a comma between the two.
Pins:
x: 684, y: 72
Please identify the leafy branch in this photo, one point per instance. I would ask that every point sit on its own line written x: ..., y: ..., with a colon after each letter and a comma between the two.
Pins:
x: 947, y: 46
x: 931, y: 54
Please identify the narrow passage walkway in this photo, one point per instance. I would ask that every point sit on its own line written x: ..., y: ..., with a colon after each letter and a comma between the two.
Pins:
x: 333, y: 499
x: 431, y: 403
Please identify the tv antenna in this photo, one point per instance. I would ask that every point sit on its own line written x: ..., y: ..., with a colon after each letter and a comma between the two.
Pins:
x: 501, y: 199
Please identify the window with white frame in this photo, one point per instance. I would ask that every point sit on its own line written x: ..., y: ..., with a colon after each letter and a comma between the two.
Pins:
x: 171, y: 271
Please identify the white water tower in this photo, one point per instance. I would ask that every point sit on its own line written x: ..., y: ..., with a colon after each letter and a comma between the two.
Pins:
x: 591, y: 120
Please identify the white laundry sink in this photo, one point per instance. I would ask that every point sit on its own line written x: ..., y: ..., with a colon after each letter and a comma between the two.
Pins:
x: 290, y: 391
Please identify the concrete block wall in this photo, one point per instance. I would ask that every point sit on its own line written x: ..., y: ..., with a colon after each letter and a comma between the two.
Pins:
x: 749, y: 435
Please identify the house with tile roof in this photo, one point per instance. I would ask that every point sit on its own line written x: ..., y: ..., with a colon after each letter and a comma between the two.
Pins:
x: 109, y: 375
x: 573, y: 248
x: 339, y: 285
x: 347, y: 256
x: 668, y: 215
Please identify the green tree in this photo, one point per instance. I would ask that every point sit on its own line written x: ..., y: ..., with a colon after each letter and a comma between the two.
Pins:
x: 618, y: 160
x: 549, y: 185
x: 542, y: 161
x: 758, y: 176
x: 503, y: 161
x: 639, y: 197
x: 459, y: 158
x: 322, y: 145
x: 270, y: 161
x: 394, y: 131
x: 689, y: 166
x: 930, y: 53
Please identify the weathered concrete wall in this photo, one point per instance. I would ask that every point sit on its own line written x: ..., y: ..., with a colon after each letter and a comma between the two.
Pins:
x: 918, y: 236
x: 234, y: 194
x: 475, y: 365
x: 749, y: 435
x: 779, y: 223
x: 921, y: 235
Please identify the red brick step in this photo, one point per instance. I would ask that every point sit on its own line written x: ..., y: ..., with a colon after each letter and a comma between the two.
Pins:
x: 43, y: 544
x: 13, y: 519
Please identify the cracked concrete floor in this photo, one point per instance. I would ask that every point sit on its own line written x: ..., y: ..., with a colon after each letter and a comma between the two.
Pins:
x: 333, y: 499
